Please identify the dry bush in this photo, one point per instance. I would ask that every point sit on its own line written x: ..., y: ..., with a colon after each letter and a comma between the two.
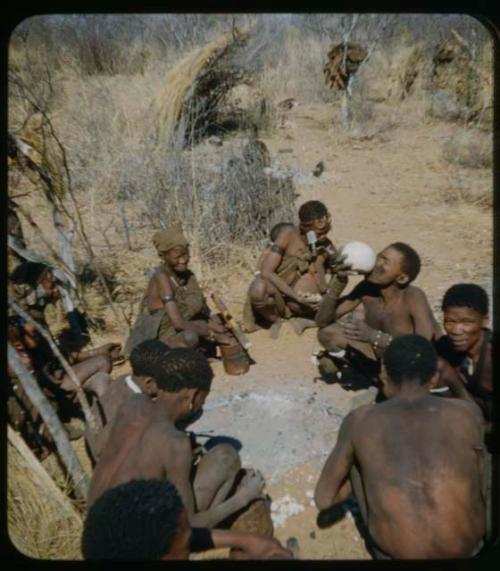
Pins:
x: 470, y: 149
x: 39, y: 525
x: 297, y: 69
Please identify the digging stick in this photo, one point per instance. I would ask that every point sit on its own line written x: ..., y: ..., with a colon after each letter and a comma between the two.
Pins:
x: 230, y: 322
x: 54, y: 425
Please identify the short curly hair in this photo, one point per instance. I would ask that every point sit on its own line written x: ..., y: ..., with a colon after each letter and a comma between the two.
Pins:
x: 137, y: 520
x: 145, y: 357
x: 312, y: 210
x: 183, y: 368
x: 466, y: 295
x: 411, y: 260
x: 410, y: 357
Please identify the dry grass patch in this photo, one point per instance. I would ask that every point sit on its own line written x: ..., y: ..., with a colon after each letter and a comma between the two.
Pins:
x: 42, y: 522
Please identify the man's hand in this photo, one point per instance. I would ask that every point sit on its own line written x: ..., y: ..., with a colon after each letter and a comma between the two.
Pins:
x: 261, y: 547
x: 251, y: 486
x: 337, y: 266
x: 358, y: 330
x: 216, y: 326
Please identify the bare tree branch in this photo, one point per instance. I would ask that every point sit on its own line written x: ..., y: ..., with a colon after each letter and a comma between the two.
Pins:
x: 89, y: 417
x: 54, y: 425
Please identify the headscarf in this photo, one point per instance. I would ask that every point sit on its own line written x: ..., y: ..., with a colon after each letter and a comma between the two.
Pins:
x: 167, y: 239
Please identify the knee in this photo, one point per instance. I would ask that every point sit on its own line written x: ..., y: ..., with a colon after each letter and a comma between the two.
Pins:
x: 103, y: 363
x: 191, y: 339
x: 97, y: 383
x: 227, y: 457
x: 324, y: 336
x: 258, y: 290
x: 331, y: 337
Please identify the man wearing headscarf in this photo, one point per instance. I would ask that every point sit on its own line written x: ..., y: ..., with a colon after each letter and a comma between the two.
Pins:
x: 173, y: 308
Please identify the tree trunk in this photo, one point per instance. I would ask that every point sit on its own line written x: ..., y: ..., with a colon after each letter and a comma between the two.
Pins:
x: 56, y: 429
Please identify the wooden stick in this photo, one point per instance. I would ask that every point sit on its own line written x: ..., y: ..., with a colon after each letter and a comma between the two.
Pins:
x: 89, y: 416
x: 56, y: 429
x: 37, y: 471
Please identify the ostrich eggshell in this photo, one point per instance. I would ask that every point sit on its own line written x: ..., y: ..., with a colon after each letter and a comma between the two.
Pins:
x: 360, y: 256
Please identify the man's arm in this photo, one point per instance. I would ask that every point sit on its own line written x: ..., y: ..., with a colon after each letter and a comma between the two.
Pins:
x: 177, y: 464
x: 166, y: 294
x: 347, y: 303
x: 273, y: 259
x: 425, y: 323
x: 337, y: 466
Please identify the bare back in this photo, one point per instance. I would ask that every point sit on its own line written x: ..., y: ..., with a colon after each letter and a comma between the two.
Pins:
x: 420, y: 462
x: 142, y: 444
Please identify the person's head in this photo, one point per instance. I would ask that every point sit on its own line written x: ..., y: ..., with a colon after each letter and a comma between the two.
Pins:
x: 173, y: 247
x: 145, y: 361
x: 277, y: 228
x: 397, y: 264
x: 186, y: 375
x: 138, y: 520
x: 314, y: 215
x: 465, y: 314
x: 38, y: 276
x: 408, y: 360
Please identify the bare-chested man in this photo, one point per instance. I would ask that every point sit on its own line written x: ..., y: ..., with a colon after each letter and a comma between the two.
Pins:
x: 144, y: 443
x: 145, y: 362
x: 174, y: 309
x: 384, y: 305
x: 292, y: 271
x: 414, y: 463
x: 467, y: 347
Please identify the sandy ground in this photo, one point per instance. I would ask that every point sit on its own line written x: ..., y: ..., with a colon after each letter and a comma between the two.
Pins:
x: 379, y: 190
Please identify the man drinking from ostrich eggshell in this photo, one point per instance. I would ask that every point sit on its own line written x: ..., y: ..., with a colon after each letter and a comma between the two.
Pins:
x: 382, y: 306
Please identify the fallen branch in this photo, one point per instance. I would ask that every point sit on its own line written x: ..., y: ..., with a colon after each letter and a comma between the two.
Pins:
x: 89, y: 416
x: 54, y: 425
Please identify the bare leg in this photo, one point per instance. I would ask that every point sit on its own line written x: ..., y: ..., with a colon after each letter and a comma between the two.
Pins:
x: 332, y: 337
x: 189, y: 339
x: 300, y: 324
x: 266, y: 300
x: 98, y: 384
x: 86, y: 369
x: 215, y: 476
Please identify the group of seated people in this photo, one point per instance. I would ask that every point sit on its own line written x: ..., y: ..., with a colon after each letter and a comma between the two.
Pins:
x: 416, y: 463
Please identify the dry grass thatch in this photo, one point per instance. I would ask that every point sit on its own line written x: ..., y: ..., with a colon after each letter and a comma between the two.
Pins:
x: 42, y: 522
x: 180, y: 83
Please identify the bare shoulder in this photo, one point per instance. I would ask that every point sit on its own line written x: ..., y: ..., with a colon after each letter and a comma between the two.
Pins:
x: 166, y: 436
x: 416, y: 295
x: 358, y: 415
x: 465, y: 408
x: 286, y: 236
